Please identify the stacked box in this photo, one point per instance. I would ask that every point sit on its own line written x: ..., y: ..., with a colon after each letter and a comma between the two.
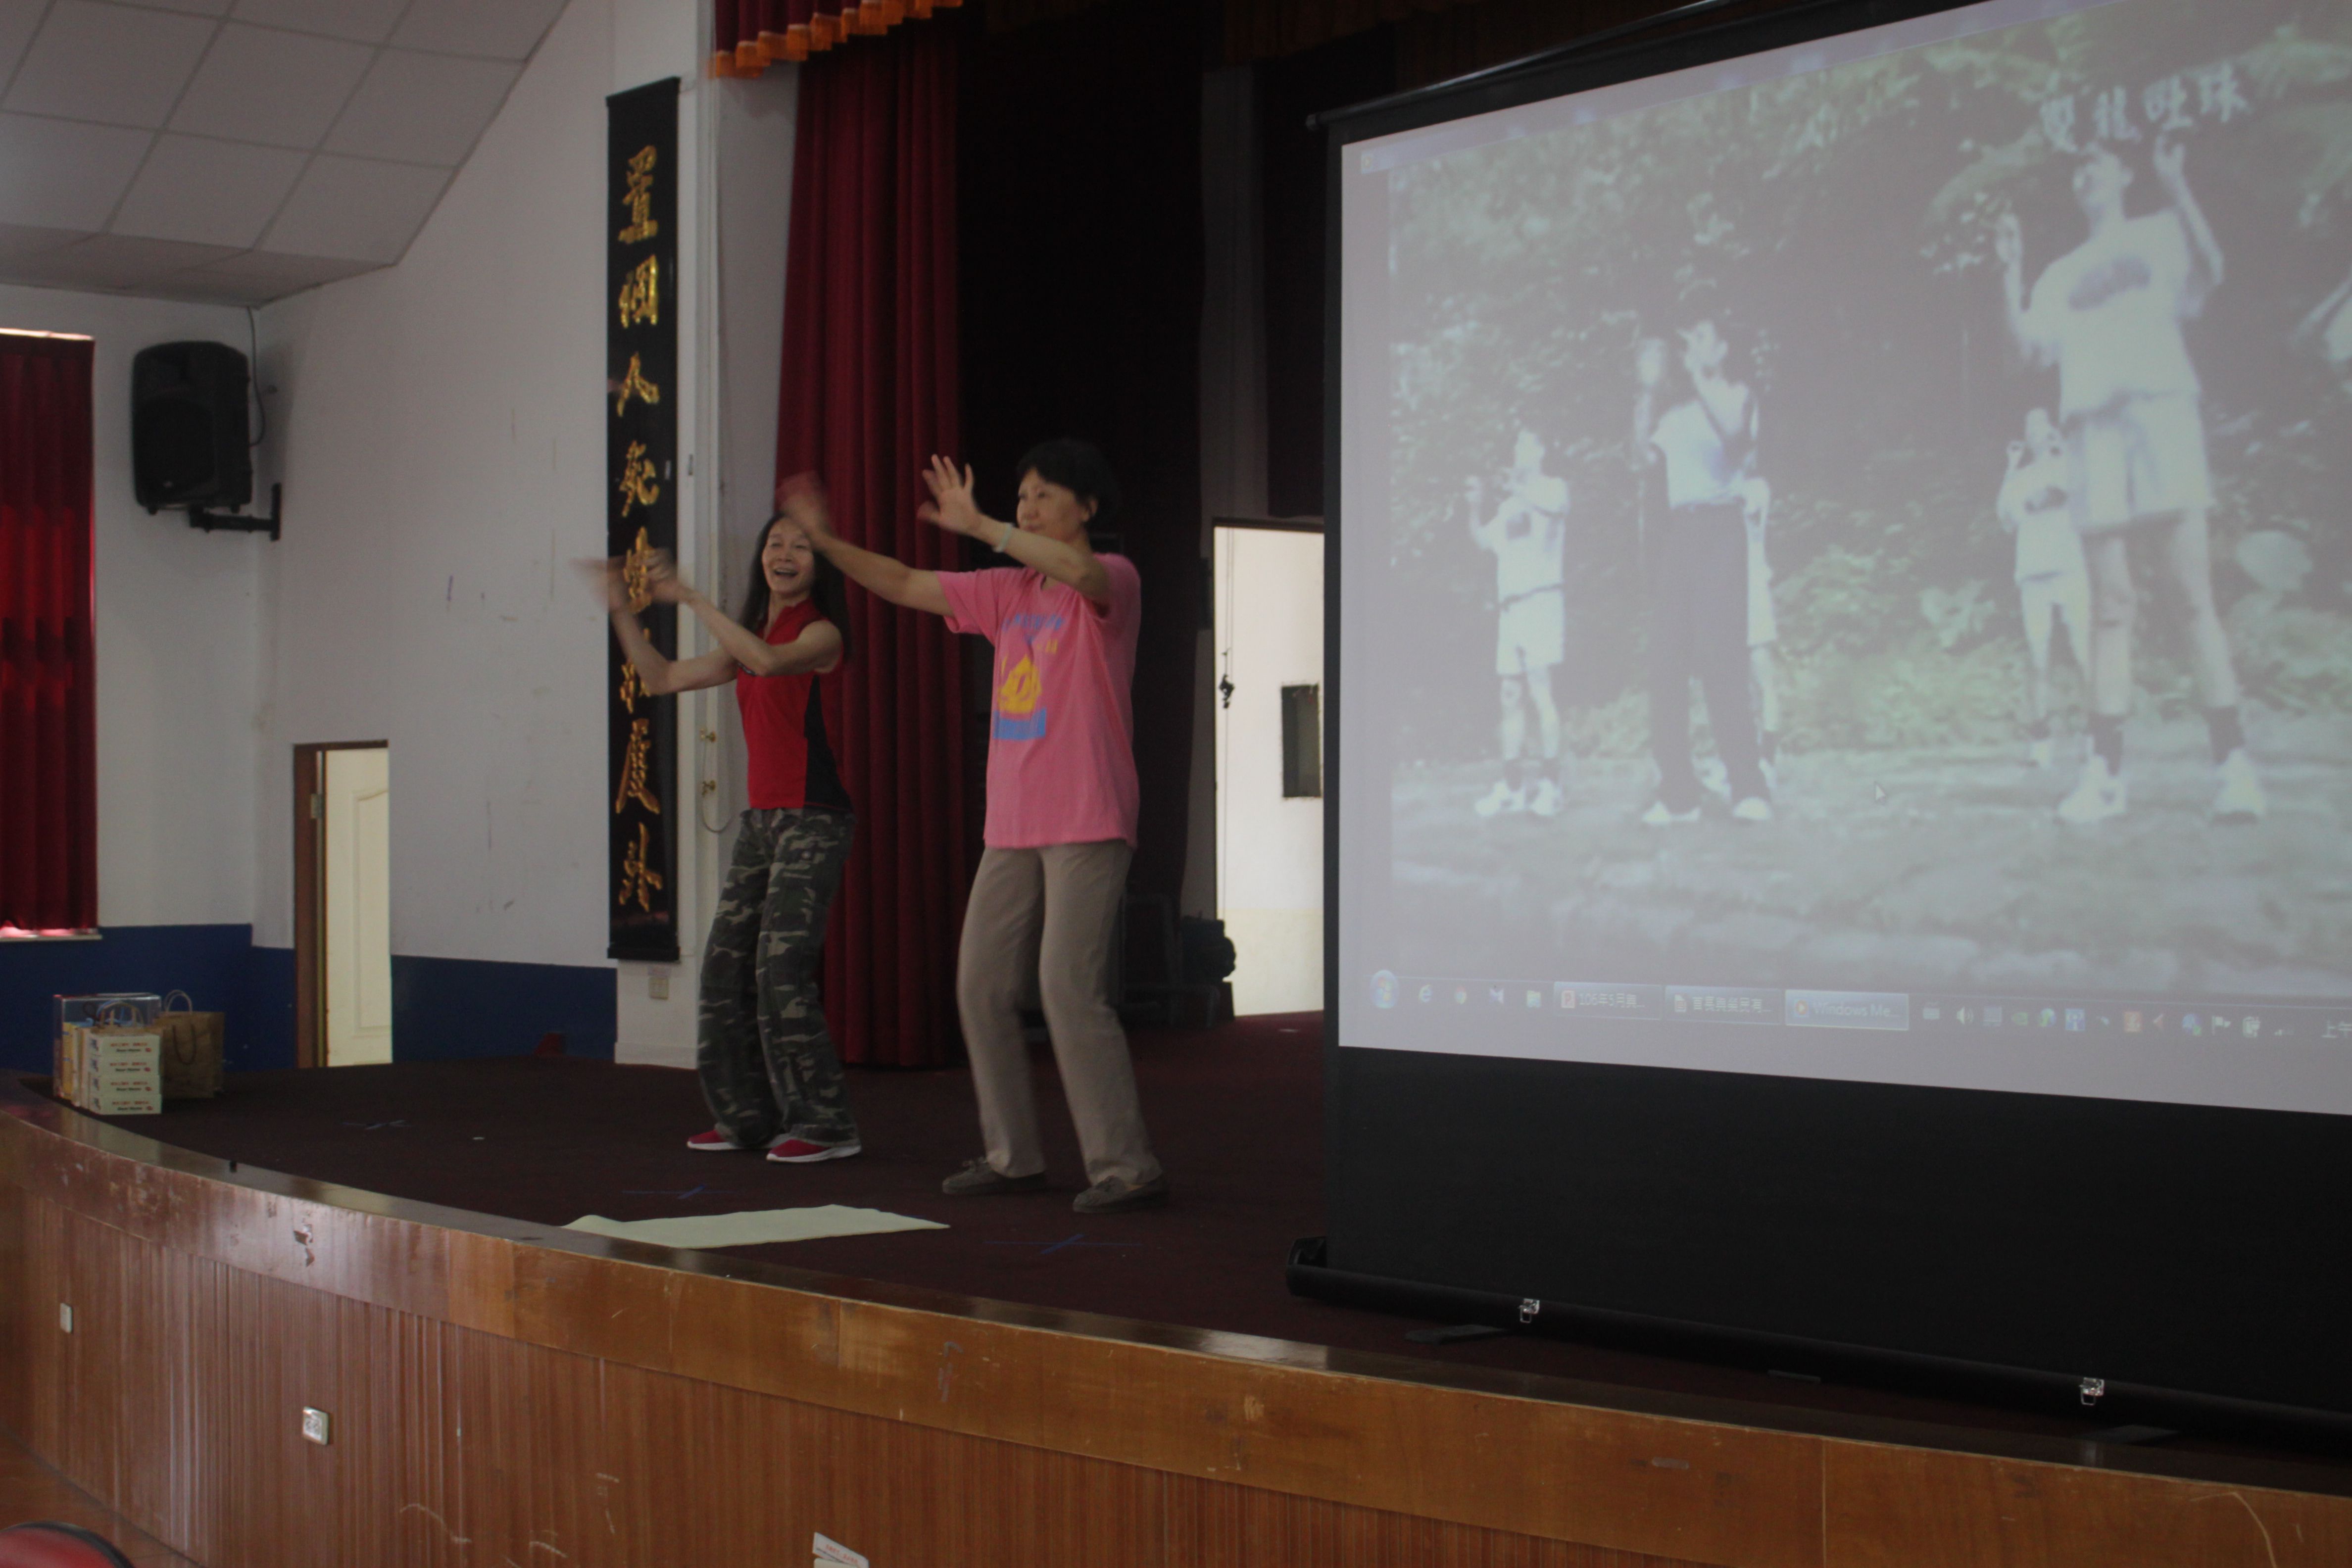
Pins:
x: 118, y: 1069
x: 65, y: 1062
x: 139, y: 1007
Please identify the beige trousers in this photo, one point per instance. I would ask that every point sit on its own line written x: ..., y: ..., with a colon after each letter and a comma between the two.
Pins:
x: 1058, y: 908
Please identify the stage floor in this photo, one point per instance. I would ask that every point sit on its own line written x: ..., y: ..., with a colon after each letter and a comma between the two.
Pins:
x: 1235, y: 1112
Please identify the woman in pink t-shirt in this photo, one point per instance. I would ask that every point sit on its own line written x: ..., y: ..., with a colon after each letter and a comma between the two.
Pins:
x: 1061, y: 806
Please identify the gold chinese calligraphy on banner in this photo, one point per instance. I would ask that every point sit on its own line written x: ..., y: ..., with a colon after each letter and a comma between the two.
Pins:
x: 640, y: 511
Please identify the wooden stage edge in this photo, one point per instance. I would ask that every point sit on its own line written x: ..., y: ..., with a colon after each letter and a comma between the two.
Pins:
x: 504, y: 1393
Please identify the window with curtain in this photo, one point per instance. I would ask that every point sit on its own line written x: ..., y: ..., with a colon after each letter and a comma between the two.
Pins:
x: 49, y: 718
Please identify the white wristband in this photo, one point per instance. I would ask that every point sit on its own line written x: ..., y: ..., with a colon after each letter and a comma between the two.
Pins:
x: 1006, y: 540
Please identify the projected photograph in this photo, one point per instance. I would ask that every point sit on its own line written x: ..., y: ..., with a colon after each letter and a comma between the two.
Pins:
x: 1889, y: 523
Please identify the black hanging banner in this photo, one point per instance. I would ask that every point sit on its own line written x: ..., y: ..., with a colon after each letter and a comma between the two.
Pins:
x: 641, y: 506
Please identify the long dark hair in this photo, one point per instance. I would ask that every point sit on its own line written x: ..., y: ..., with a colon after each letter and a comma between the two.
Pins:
x: 830, y: 593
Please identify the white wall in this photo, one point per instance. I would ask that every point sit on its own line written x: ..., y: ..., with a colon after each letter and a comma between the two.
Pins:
x: 1269, y: 588
x: 443, y: 457
x: 175, y: 627
x: 438, y: 426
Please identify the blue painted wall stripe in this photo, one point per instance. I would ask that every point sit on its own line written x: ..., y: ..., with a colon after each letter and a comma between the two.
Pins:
x: 442, y: 1008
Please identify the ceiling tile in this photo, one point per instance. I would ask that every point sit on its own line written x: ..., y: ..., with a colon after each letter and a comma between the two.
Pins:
x: 116, y: 261
x: 279, y: 274
x: 422, y: 109
x: 16, y: 240
x: 356, y: 208
x: 18, y: 20
x: 260, y: 85
x: 109, y: 63
x: 200, y: 287
x: 219, y: 192
x: 368, y: 21
x: 498, y: 29
x: 58, y: 174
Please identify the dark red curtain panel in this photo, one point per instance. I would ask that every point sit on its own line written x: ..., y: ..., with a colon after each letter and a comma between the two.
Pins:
x: 752, y: 35
x: 869, y: 391
x: 49, y: 713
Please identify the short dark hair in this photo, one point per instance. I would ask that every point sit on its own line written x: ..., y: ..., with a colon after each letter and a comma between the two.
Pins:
x: 830, y: 592
x: 1078, y: 467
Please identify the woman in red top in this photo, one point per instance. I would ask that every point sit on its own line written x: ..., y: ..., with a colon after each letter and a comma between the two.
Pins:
x: 768, y: 1067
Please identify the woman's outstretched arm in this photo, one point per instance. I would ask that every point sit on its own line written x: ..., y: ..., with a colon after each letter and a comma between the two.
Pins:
x: 818, y: 647
x: 952, y: 507
x: 802, y: 498
x: 660, y: 674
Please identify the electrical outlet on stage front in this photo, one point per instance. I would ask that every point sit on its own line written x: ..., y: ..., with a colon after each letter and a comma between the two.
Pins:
x: 318, y: 1426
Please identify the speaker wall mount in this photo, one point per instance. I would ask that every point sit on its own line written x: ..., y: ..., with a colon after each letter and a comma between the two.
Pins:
x: 238, y: 521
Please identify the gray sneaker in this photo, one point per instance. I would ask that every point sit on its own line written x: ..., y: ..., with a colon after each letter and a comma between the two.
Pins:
x: 1111, y: 1195
x: 978, y: 1178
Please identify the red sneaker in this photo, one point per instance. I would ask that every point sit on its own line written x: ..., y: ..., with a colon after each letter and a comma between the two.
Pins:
x: 718, y: 1142
x: 801, y: 1151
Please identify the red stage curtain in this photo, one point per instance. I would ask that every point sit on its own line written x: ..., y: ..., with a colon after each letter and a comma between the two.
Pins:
x: 48, y: 715
x: 752, y: 35
x: 869, y: 391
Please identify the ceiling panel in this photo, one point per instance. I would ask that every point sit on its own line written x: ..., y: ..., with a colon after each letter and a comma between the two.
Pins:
x: 497, y: 29
x: 422, y: 108
x: 219, y: 192
x: 279, y: 273
x: 110, y: 63
x: 17, y: 239
x: 365, y: 21
x: 18, y: 20
x: 55, y: 173
x: 356, y: 208
x: 117, y: 261
x: 258, y: 84
x: 240, y: 149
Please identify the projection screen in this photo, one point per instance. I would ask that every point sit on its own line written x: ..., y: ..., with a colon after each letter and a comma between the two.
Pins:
x: 1843, y: 728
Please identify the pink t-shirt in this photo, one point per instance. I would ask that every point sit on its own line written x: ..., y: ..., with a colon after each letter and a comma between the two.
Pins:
x: 1061, y: 727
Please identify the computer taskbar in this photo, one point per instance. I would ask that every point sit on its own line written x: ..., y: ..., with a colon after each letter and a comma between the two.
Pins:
x: 1757, y: 1007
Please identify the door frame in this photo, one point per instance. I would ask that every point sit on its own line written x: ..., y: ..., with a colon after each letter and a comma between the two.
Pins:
x: 1208, y: 694
x: 309, y: 895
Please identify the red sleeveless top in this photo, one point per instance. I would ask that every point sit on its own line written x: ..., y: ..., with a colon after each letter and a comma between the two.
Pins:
x: 792, y: 760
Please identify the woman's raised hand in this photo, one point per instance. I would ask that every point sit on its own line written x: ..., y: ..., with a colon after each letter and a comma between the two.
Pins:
x: 662, y: 582
x: 950, y: 506
x: 802, y: 499
x: 603, y: 577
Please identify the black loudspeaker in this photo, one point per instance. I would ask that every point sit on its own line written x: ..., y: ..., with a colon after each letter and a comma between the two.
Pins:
x: 188, y: 428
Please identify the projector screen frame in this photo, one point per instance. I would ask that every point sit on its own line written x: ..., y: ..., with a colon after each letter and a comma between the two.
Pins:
x: 1621, y: 54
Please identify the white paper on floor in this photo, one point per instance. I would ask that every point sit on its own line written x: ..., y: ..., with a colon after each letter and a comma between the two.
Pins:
x: 753, y: 1228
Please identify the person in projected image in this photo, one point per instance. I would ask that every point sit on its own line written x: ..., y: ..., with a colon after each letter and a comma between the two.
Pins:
x: 1527, y: 535
x: 1763, y: 635
x: 2108, y: 315
x: 1695, y: 561
x: 2052, y: 580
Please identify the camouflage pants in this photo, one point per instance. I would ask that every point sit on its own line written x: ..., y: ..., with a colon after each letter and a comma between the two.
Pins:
x: 766, y: 1062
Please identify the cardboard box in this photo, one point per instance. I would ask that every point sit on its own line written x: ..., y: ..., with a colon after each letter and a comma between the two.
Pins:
x: 148, y: 1101
x: 65, y: 1063
x: 118, y: 1069
x: 139, y: 1007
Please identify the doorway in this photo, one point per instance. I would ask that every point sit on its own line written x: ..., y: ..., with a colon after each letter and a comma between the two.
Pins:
x: 1268, y: 587
x: 343, y: 904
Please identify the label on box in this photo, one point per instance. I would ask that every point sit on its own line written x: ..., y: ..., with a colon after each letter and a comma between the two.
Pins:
x: 110, y: 1102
